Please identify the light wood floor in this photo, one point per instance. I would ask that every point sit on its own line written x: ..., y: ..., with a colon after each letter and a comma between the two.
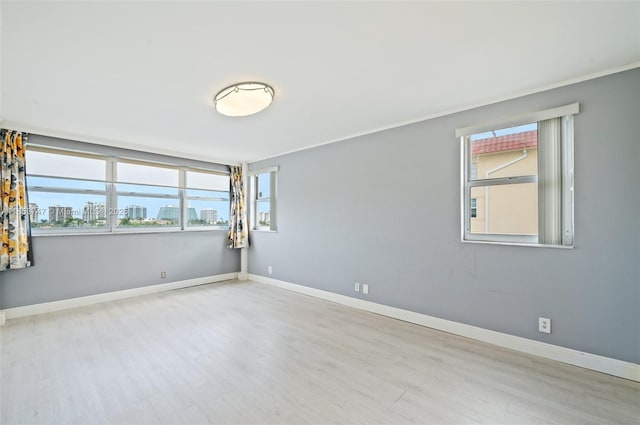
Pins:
x: 247, y: 353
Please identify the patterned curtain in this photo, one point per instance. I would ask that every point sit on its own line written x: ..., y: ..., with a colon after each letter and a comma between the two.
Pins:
x: 16, y: 252
x: 237, y: 236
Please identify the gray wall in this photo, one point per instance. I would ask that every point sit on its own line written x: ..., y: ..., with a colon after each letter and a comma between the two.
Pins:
x: 75, y: 266
x: 79, y: 265
x: 384, y: 209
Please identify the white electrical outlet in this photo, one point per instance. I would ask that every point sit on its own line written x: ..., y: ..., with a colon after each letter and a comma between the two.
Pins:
x: 356, y: 287
x: 270, y: 270
x: 544, y: 325
x: 163, y: 275
x: 365, y: 288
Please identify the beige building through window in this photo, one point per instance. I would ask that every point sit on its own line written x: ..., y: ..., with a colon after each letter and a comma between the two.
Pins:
x: 505, y: 209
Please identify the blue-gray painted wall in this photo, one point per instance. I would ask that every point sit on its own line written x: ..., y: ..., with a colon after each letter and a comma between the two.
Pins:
x: 384, y: 209
x: 76, y: 266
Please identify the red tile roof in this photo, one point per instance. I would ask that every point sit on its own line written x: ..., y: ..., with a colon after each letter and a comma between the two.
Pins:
x: 509, y: 142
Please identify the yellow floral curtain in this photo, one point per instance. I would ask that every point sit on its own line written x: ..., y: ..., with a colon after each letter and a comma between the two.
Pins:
x: 16, y: 250
x: 238, y: 236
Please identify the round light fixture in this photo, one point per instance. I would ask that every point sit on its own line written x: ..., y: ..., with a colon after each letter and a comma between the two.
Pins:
x: 243, y: 99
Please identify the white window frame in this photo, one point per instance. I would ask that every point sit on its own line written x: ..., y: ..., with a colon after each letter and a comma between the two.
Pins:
x: 273, y: 195
x: 111, y: 194
x: 186, y: 187
x: 464, y: 134
x: 51, y: 189
x: 115, y: 193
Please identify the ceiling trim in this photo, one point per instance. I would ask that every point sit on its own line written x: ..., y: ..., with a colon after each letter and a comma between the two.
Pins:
x: 523, y: 93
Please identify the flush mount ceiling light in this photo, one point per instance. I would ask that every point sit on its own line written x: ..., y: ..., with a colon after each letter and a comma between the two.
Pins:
x: 243, y: 99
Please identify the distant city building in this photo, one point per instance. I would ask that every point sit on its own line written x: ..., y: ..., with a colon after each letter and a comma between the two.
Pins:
x: 192, y: 215
x: 34, y: 213
x: 58, y: 214
x: 136, y: 212
x: 209, y: 215
x: 94, y: 211
x: 172, y: 213
x: 169, y: 212
x: 264, y: 217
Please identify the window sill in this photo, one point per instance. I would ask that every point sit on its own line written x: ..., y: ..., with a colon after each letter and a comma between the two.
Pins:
x: 524, y: 244
x: 124, y: 232
x: 263, y: 230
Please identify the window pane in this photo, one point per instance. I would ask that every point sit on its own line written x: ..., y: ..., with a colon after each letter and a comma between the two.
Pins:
x: 147, y: 174
x: 474, y: 170
x: 141, y: 211
x: 67, y: 210
x: 207, y: 181
x: 60, y: 183
x: 263, y: 213
x: 139, y: 189
x: 212, y: 209
x: 264, y: 186
x: 507, y: 152
x: 207, y: 194
x: 505, y: 209
x: 208, y: 213
x: 50, y: 164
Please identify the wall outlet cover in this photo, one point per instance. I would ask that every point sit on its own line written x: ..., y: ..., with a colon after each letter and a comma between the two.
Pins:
x: 544, y: 325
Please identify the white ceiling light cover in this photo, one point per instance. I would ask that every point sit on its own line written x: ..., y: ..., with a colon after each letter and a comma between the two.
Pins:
x: 244, y: 99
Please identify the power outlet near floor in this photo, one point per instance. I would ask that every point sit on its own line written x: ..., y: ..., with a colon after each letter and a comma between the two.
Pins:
x: 356, y: 287
x: 365, y: 288
x: 270, y: 270
x: 544, y: 325
x: 163, y: 275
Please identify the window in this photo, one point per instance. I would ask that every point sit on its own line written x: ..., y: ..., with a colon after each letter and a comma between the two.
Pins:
x: 147, y: 196
x: 66, y: 192
x: 74, y: 192
x: 207, y: 199
x: 263, y: 188
x: 518, y: 179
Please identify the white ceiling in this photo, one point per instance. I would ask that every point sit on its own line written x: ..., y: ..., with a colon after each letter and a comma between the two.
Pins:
x: 142, y: 75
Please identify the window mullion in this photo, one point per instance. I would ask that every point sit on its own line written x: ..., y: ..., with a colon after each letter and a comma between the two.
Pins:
x: 149, y: 195
x: 112, y: 196
x: 66, y: 190
x: 503, y: 180
x: 272, y: 205
x: 254, y: 202
x: 567, y: 181
x: 182, y: 181
x: 465, y: 148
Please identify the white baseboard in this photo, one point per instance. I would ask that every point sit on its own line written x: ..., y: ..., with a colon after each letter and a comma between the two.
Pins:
x: 28, y: 310
x: 566, y: 355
